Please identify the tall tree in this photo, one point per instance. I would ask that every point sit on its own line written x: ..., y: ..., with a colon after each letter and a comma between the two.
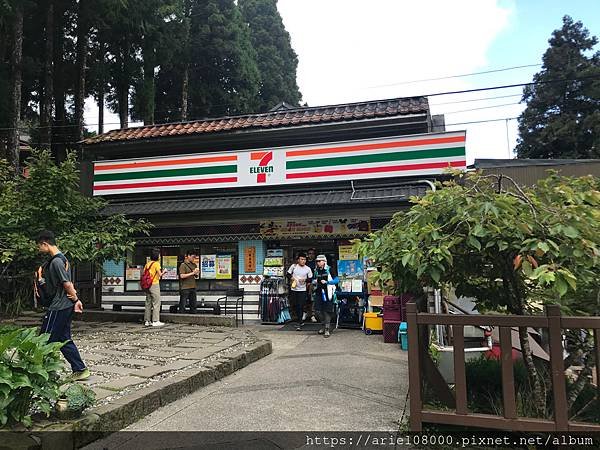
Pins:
x: 276, y: 59
x: 562, y: 119
x: 224, y: 77
x: 48, y: 92
x: 83, y: 28
x: 14, y: 122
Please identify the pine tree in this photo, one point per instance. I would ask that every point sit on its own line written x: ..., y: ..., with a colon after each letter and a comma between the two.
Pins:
x: 562, y: 119
x: 276, y: 59
x: 223, y: 78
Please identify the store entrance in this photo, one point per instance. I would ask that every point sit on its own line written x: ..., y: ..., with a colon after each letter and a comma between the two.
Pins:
x: 291, y: 249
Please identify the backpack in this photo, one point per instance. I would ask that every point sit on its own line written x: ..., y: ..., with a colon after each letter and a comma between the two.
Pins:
x: 43, y: 293
x: 147, y: 279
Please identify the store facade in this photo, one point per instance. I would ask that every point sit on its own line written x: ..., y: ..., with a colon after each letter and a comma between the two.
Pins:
x: 239, y: 190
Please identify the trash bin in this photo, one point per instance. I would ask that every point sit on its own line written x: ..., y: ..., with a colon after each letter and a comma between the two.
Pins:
x: 403, y: 335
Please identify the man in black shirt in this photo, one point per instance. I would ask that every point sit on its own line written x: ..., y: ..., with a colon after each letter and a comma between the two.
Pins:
x: 57, y: 321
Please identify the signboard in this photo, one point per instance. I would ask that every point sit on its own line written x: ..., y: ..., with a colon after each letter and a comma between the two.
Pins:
x: 133, y: 273
x: 250, y: 260
x: 208, y: 268
x: 170, y: 265
x: 347, y: 253
x: 224, y: 266
x: 296, y: 227
x: 350, y: 268
x: 415, y: 155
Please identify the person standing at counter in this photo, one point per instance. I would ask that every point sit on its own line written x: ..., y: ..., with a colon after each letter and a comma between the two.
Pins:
x: 325, y: 285
x: 188, y: 271
x: 300, y: 277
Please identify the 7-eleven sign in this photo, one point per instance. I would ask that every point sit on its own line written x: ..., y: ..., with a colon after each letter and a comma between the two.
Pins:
x: 263, y: 168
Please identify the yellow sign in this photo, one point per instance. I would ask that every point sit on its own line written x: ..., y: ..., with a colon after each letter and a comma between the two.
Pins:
x: 347, y: 253
x: 224, y: 266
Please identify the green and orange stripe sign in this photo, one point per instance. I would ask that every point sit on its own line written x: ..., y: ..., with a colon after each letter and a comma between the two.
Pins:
x: 399, y: 156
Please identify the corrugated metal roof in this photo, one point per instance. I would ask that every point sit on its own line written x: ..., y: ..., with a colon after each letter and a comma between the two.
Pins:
x: 495, y: 163
x: 322, y: 198
x: 282, y: 117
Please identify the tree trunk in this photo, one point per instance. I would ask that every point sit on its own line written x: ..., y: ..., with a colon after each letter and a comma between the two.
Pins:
x: 184, y: 92
x: 185, y: 81
x: 15, y: 90
x: 101, y: 108
x: 82, y: 50
x: 148, y: 97
x: 46, y: 103
x: 60, y: 113
x: 122, y: 87
x: 539, y: 396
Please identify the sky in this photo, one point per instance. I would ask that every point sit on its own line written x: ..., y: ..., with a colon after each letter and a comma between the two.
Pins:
x: 359, y: 50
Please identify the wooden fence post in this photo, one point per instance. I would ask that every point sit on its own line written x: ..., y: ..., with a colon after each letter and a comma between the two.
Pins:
x: 414, y: 369
x: 561, y: 408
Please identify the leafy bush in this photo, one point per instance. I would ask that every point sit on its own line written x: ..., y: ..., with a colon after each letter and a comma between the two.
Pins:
x: 79, y: 397
x: 29, y: 374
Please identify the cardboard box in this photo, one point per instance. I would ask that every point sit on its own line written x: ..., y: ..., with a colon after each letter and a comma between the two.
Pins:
x: 376, y: 300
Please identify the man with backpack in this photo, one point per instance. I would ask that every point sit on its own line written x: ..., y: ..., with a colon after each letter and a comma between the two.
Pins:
x: 150, y: 282
x: 325, y: 281
x: 188, y: 271
x: 54, y: 290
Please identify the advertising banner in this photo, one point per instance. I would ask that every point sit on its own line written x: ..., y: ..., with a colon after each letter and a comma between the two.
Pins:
x: 208, y: 268
x: 224, y: 266
x: 322, y: 227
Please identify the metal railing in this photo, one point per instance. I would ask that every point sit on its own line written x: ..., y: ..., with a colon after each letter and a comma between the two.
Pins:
x: 552, y: 320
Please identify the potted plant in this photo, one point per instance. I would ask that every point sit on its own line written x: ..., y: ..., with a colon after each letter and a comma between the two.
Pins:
x: 75, y: 398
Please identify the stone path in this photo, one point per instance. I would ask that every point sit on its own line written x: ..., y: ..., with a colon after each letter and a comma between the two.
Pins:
x: 124, y: 357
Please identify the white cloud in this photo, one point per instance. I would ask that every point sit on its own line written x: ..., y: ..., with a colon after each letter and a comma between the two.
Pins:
x: 353, y: 50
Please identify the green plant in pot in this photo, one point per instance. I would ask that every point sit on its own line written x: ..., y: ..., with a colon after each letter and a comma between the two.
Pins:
x: 75, y: 398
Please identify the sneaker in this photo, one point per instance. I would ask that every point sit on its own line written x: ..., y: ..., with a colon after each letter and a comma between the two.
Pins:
x: 313, y: 319
x: 80, y: 376
x: 321, y: 331
x: 327, y: 334
x: 146, y: 323
x: 157, y: 324
x: 299, y: 327
x: 304, y: 317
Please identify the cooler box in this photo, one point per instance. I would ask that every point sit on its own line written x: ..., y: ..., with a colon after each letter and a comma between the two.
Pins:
x: 403, y: 335
x: 373, y: 323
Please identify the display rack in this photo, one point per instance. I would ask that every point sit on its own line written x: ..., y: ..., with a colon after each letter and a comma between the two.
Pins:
x: 273, y: 296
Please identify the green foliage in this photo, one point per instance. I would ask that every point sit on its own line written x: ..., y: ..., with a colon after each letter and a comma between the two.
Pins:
x: 562, y: 120
x: 224, y: 77
x: 29, y: 374
x: 79, y: 397
x: 484, y: 385
x: 276, y: 59
x: 49, y: 198
x: 511, y: 249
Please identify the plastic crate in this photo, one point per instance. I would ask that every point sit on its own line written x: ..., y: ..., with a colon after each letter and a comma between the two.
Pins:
x: 390, y: 331
x: 392, y: 315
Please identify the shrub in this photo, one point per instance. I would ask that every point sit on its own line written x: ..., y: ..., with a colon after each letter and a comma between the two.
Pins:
x: 29, y: 374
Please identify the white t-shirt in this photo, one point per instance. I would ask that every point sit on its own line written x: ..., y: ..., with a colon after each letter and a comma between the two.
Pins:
x: 301, y: 274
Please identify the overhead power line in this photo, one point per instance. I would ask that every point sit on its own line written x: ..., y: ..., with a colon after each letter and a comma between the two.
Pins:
x: 504, y: 69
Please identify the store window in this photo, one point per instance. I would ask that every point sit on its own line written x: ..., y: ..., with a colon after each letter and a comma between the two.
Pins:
x: 219, y: 271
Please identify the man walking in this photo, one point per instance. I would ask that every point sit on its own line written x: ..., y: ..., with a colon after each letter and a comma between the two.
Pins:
x: 309, y: 311
x: 300, y: 275
x: 57, y: 320
x: 188, y: 271
x: 325, y: 284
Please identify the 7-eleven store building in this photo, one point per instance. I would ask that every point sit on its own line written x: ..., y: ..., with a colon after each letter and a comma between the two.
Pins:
x: 234, y: 188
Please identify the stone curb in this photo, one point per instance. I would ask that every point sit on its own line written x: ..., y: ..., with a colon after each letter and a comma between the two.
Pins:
x: 104, y: 420
x: 193, y: 319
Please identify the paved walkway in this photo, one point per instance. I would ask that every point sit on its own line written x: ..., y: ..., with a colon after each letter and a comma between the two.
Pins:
x: 348, y: 382
x: 124, y: 357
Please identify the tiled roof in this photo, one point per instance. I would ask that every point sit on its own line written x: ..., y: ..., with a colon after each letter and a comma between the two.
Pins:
x: 330, y: 198
x: 273, y: 119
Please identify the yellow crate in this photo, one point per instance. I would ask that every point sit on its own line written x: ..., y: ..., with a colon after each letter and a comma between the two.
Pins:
x: 373, y: 323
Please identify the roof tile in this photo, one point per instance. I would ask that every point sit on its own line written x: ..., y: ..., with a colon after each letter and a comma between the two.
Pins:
x: 278, y: 118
